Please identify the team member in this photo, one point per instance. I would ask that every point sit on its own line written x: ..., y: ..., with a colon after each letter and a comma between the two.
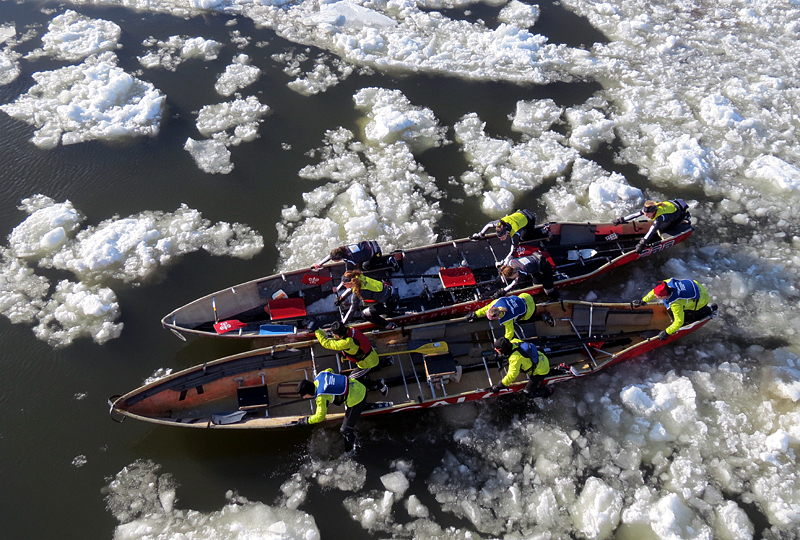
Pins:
x: 378, y: 297
x: 538, y: 265
x: 356, y: 348
x: 523, y: 356
x: 329, y: 387
x: 665, y: 215
x: 361, y: 256
x: 520, y: 225
x: 510, y: 308
x: 685, y: 299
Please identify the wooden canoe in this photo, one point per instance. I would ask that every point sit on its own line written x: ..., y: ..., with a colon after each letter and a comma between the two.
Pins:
x: 434, y: 364
x: 435, y: 282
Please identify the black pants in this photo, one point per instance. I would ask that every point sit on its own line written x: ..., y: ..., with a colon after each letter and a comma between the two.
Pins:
x: 362, y: 376
x: 347, y: 430
x: 534, y: 389
x: 547, y: 276
x: 374, y: 311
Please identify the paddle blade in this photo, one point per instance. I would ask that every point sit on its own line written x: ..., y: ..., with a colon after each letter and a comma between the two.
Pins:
x: 227, y: 326
x: 313, y: 279
x: 437, y: 347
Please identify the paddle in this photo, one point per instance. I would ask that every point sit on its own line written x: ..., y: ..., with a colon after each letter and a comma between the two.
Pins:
x: 437, y: 347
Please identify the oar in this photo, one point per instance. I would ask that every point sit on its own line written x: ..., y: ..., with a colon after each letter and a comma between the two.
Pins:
x: 437, y: 347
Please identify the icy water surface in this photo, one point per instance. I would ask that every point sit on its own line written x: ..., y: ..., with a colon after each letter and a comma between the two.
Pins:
x: 155, y: 152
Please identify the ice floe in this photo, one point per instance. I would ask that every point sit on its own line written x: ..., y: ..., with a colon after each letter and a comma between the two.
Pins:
x: 116, y: 251
x: 170, y: 54
x: 95, y: 100
x: 72, y: 36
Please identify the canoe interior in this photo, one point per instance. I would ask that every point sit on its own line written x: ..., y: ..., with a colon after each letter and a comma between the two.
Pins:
x: 587, y: 337
x: 579, y: 251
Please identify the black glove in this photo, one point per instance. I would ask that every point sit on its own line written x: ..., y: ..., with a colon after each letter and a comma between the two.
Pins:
x: 338, y: 301
x: 470, y: 316
x: 499, y: 294
x: 476, y: 236
x: 637, y: 303
x: 663, y: 335
x: 303, y: 421
x: 618, y: 221
x: 496, y: 388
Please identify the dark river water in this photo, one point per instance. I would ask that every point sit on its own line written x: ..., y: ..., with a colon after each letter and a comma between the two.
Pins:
x: 58, y: 445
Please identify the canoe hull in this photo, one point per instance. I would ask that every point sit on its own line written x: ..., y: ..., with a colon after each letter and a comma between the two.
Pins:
x: 247, y: 306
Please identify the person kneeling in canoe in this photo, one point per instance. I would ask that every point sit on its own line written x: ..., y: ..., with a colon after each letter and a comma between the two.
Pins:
x: 538, y: 265
x: 365, y: 255
x: 329, y: 387
x: 665, y: 215
x: 519, y: 225
x: 523, y: 356
x: 356, y: 348
x: 685, y: 299
x: 378, y: 297
x: 510, y: 308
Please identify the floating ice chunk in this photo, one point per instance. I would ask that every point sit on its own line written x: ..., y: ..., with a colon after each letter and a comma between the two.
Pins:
x: 718, y: 111
x: 240, y: 115
x: 392, y: 117
x: 211, y: 156
x: 383, y: 195
x: 77, y: 310
x: 326, y: 72
x: 171, y: 53
x: 589, y: 129
x: 72, y: 36
x: 9, y: 66
x: 134, y: 248
x: 509, y: 169
x: 415, y: 508
x: 597, y: 511
x: 346, y: 13
x: 22, y: 292
x: 732, y: 523
x: 395, y: 482
x: 237, y: 76
x: 776, y: 173
x: 684, y: 160
x: 519, y: 14
x: 94, y: 100
x: 535, y: 117
x: 778, y: 442
x: 592, y: 193
x: 144, y: 503
x: 46, y: 230
x: 372, y: 511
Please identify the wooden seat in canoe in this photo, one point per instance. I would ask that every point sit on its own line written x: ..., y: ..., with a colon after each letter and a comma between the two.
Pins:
x: 438, y: 367
x: 286, y: 308
x: 456, y: 277
x: 252, y: 397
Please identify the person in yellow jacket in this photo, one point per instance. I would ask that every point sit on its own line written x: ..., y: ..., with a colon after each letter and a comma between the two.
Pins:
x: 329, y: 387
x: 664, y: 215
x: 686, y: 300
x: 523, y: 356
x: 519, y: 225
x: 378, y: 298
x: 508, y: 309
x: 357, y: 349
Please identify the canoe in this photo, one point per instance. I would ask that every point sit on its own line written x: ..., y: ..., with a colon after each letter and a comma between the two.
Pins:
x: 434, y: 364
x: 435, y: 282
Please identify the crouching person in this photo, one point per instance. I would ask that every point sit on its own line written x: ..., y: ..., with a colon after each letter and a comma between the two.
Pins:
x: 523, y: 356
x: 329, y: 387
